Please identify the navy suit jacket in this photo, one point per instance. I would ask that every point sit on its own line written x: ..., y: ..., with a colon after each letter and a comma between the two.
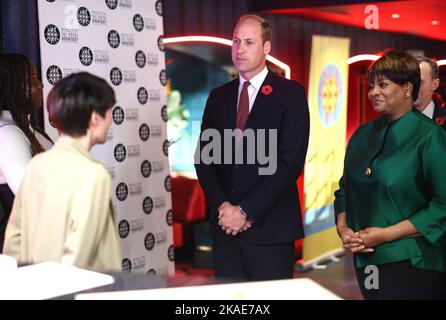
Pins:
x: 439, y: 112
x: 271, y: 201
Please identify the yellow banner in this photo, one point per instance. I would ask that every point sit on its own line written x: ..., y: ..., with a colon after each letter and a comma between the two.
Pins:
x: 327, y: 98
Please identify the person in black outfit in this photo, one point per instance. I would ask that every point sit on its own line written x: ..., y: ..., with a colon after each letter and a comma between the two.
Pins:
x: 430, y: 81
x: 255, y: 215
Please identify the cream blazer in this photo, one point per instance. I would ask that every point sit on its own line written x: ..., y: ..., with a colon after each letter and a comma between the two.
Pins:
x: 62, y: 211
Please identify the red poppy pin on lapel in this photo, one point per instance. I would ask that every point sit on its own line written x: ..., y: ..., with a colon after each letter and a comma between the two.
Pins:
x: 266, y: 90
x: 440, y: 120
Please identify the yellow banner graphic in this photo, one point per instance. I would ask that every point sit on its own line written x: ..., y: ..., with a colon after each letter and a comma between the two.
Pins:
x: 327, y: 98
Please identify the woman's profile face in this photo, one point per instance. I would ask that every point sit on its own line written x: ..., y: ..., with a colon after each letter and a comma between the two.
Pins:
x: 36, y: 90
x: 386, y: 96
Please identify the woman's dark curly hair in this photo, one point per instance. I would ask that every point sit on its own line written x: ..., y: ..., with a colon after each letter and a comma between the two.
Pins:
x: 15, y: 93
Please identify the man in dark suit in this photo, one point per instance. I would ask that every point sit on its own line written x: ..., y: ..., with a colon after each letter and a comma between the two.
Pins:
x: 249, y: 179
x: 430, y: 80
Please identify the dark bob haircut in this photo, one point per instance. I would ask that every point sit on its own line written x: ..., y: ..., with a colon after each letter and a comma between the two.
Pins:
x: 73, y: 99
x: 399, y: 67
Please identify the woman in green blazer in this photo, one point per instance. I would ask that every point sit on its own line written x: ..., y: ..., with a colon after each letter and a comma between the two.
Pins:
x: 391, y: 203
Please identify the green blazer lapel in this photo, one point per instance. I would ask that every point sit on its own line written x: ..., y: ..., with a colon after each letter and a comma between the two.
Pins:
x: 401, y: 130
x: 377, y: 138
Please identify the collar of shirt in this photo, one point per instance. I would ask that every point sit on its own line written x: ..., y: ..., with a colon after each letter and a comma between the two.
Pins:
x: 253, y: 89
x: 429, y: 110
x: 71, y: 144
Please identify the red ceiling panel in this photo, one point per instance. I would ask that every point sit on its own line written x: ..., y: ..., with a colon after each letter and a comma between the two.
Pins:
x: 415, y: 16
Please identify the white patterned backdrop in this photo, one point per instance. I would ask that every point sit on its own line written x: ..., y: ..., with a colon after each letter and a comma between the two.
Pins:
x: 121, y: 41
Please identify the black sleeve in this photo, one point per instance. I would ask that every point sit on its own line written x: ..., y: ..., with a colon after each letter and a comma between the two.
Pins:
x: 206, y: 172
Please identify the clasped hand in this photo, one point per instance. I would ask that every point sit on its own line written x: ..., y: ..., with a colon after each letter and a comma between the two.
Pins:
x: 231, y: 220
x: 362, y: 241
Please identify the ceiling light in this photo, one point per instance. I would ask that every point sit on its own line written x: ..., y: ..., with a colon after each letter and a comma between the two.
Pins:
x: 395, y: 15
x: 226, y: 42
x: 362, y: 57
x: 435, y: 22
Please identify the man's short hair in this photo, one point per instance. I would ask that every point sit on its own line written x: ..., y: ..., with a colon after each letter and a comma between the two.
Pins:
x: 267, y: 33
x: 73, y: 99
x: 435, y: 74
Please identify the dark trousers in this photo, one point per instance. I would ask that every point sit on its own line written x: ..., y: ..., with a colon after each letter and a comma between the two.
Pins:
x: 6, y: 201
x: 402, y: 281
x: 239, y: 259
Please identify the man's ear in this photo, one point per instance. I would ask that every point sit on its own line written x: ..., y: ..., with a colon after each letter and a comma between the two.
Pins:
x: 435, y: 84
x: 267, y: 47
x: 94, y: 119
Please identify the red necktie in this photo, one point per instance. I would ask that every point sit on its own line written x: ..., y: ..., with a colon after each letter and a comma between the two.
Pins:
x: 243, y: 107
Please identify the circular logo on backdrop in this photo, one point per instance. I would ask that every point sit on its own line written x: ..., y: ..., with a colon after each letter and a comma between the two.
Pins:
x: 114, y: 40
x: 163, y: 79
x: 126, y: 265
x: 86, y: 56
x: 53, y: 74
x: 169, y: 218
x: 161, y: 43
x: 171, y: 253
x: 144, y: 132
x: 120, y: 152
x: 142, y: 95
x: 124, y: 229
x: 166, y: 148
x: 159, y: 7
x: 140, y: 59
x: 111, y: 4
x: 151, y: 273
x: 164, y: 113
x: 138, y: 22
x: 118, y: 115
x: 146, y: 168
x: 52, y: 34
x: 122, y: 191
x: 330, y: 95
x: 116, y: 76
x: 83, y: 16
x: 149, y: 241
x: 167, y: 183
x: 147, y: 205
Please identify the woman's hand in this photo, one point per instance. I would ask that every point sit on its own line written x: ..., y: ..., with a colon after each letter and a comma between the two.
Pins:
x: 365, y: 240
x: 374, y: 236
x: 350, y: 240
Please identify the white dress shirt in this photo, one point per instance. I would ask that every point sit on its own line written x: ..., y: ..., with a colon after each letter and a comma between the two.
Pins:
x: 254, y: 87
x: 429, y: 110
